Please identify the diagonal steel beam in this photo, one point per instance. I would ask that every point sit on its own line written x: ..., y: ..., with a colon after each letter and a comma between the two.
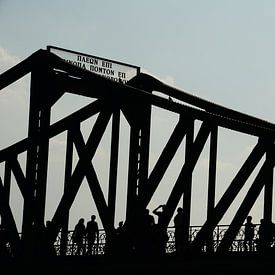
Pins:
x: 20, y: 177
x: 165, y: 159
x: 21, y: 69
x: 229, y: 195
x: 93, y: 182
x: 181, y: 186
x: 79, y: 173
x: 244, y: 208
x: 55, y: 129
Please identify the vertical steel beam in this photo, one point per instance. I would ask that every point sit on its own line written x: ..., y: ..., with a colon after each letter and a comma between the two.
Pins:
x: 212, y: 178
x: 212, y: 170
x: 268, y: 189
x: 132, y: 173
x: 67, y: 177
x: 6, y: 190
x: 144, y: 148
x: 37, y: 160
x: 186, y: 202
x: 139, y: 117
x: 113, y: 165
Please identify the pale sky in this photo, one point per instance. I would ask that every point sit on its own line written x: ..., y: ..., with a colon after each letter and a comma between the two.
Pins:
x: 222, y: 51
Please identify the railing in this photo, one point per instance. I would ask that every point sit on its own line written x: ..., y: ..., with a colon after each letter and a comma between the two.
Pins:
x: 71, y: 248
x: 99, y: 247
x: 218, y: 234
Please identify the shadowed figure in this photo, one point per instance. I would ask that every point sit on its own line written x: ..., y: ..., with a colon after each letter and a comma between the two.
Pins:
x: 49, y: 242
x: 149, y: 226
x: 121, y: 241
x: 78, y: 237
x: 179, y: 223
x: 92, y: 234
x: 161, y: 236
x: 266, y: 234
x: 144, y: 238
x: 249, y: 229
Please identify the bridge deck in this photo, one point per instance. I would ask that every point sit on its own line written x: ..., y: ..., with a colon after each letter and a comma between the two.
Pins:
x: 236, y: 263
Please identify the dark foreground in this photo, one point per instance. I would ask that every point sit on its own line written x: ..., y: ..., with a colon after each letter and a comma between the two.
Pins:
x: 170, y: 264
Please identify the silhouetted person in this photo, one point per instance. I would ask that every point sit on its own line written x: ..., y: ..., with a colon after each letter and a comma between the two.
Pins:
x: 178, y: 223
x: 119, y: 245
x: 78, y: 236
x: 49, y: 242
x: 265, y: 235
x: 249, y: 228
x: 145, y: 233
x: 119, y: 229
x: 149, y: 219
x: 92, y: 233
x: 160, y: 229
x: 125, y: 238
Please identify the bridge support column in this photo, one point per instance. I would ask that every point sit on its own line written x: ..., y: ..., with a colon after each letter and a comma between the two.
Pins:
x: 139, y: 117
x: 268, y: 189
x: 37, y: 163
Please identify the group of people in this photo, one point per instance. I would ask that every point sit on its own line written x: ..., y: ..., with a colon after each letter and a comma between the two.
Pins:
x: 150, y: 237
x: 145, y: 236
x: 83, y: 234
x: 178, y: 225
x: 141, y: 235
x: 263, y: 241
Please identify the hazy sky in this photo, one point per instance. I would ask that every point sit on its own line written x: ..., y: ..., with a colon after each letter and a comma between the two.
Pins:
x: 222, y: 51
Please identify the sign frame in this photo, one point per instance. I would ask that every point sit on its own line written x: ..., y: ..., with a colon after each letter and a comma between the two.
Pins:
x: 110, y: 61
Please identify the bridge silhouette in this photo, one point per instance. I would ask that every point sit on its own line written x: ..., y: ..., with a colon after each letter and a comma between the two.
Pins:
x: 51, y: 79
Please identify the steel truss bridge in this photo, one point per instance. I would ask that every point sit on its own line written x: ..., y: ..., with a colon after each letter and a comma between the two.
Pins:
x: 51, y: 78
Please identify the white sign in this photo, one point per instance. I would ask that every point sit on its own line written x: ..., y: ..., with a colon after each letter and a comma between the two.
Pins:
x: 115, y: 70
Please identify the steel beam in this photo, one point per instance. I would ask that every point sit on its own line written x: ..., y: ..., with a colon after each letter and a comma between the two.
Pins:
x: 229, y: 195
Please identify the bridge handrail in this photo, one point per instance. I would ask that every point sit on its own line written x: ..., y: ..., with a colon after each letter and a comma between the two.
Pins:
x: 218, y: 234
